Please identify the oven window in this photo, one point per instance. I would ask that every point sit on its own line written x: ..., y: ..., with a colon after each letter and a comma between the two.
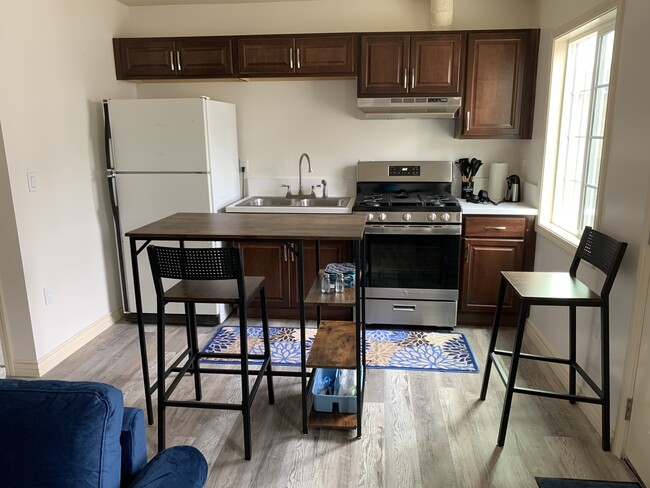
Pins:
x: 413, y: 261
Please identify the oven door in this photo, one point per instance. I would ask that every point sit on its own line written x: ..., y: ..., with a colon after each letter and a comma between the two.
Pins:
x: 412, y: 275
x: 418, y: 262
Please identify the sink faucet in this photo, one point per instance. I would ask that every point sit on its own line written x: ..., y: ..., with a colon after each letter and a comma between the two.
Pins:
x: 303, y: 155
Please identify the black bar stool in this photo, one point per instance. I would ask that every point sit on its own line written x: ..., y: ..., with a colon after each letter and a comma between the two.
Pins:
x: 559, y: 289
x: 208, y: 275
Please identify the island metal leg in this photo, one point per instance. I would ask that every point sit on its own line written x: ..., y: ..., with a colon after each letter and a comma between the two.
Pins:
x: 303, y: 332
x: 141, y: 335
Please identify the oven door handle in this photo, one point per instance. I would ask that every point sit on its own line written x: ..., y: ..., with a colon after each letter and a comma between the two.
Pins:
x: 403, y: 308
x: 447, y: 230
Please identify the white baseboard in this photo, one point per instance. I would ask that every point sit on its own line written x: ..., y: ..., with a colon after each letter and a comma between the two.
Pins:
x: 36, y: 369
x: 591, y: 411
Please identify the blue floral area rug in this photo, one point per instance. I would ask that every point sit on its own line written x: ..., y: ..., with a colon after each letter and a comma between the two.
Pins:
x: 572, y: 483
x: 388, y: 349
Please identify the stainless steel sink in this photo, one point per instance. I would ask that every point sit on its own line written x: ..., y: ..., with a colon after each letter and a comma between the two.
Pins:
x: 292, y: 205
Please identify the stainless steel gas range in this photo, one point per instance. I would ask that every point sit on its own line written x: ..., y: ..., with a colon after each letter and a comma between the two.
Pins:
x: 412, y: 251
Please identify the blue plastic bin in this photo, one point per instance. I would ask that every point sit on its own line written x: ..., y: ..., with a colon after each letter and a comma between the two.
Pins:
x: 325, y: 403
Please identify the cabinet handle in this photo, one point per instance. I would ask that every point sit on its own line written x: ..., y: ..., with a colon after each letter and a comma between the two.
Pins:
x: 298, y: 58
x: 467, y: 120
x: 171, y: 58
x: 285, y: 252
x: 406, y: 78
x: 495, y: 227
x: 291, y: 57
x: 178, y: 60
x: 412, y: 78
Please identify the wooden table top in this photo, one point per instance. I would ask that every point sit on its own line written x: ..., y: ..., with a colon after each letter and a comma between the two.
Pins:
x: 253, y: 226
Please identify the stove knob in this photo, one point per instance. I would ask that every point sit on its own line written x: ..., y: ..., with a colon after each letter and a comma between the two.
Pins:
x: 382, y: 216
x: 432, y: 217
x: 445, y: 217
x: 406, y: 217
x: 370, y: 217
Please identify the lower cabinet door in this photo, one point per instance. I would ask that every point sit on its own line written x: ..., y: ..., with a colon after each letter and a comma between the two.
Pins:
x: 484, y: 259
x: 271, y: 260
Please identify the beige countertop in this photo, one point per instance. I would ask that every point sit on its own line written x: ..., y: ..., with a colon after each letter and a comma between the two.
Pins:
x: 504, y: 208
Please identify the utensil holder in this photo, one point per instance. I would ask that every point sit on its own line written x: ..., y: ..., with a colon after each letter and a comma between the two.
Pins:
x: 467, y: 189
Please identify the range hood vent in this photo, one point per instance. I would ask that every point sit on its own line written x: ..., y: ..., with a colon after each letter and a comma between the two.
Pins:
x: 409, y: 108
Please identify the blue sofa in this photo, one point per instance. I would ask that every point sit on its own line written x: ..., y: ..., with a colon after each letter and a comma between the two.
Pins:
x: 56, y: 434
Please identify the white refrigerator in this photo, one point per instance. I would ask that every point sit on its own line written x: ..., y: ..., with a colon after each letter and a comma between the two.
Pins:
x: 166, y: 156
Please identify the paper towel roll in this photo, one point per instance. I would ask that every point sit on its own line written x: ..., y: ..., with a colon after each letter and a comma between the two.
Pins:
x: 497, y: 181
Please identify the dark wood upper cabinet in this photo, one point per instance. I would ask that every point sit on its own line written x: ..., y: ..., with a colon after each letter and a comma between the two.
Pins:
x: 296, y: 55
x: 325, y: 55
x: 384, y: 63
x: 418, y: 64
x: 500, y: 85
x: 194, y: 57
x: 265, y: 55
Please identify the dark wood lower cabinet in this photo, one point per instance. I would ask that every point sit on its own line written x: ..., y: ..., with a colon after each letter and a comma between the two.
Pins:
x: 277, y: 263
x: 492, y: 244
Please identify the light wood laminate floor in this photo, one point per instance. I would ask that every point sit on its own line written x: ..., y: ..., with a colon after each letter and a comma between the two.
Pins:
x: 420, y: 429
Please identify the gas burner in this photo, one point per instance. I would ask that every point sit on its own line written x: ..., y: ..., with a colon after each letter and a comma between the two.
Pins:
x: 373, y: 200
x: 401, y: 194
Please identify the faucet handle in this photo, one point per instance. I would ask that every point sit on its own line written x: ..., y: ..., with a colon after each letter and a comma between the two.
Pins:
x: 288, y: 187
x: 324, y: 183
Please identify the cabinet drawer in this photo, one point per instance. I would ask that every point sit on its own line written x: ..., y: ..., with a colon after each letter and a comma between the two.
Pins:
x: 510, y: 227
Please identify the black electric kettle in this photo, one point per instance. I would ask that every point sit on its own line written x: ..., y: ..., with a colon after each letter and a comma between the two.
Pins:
x: 513, y: 190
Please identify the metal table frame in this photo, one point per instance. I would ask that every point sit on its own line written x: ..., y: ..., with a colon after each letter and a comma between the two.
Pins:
x: 296, y: 246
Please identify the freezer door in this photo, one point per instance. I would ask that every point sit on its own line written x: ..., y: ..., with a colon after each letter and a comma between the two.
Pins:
x: 159, y: 135
x: 144, y: 199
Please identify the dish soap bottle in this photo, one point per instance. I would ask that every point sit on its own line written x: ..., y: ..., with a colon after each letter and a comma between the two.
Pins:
x: 324, y: 282
x: 339, y: 283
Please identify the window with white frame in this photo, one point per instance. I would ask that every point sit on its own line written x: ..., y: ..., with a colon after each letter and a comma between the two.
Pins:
x: 576, y: 127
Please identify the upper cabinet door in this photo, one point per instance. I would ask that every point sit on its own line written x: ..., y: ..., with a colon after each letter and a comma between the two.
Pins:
x: 384, y: 65
x: 500, y: 85
x: 204, y: 57
x: 325, y: 55
x: 144, y: 58
x: 266, y: 56
x: 435, y: 67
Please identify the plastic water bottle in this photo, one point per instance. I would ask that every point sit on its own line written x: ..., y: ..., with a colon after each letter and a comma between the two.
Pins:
x: 339, y: 283
x: 324, y: 282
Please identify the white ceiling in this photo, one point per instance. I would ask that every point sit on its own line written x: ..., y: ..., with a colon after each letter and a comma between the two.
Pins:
x: 147, y: 3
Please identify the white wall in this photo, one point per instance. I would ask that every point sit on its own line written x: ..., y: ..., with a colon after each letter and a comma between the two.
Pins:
x: 625, y: 188
x: 322, y: 16
x: 61, y: 66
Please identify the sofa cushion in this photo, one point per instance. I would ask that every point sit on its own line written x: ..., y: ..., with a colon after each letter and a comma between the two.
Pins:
x: 177, y: 466
x: 60, y: 434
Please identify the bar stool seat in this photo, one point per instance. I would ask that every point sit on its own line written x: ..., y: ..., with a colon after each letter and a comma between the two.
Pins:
x: 214, y: 291
x: 559, y: 289
x: 207, y: 275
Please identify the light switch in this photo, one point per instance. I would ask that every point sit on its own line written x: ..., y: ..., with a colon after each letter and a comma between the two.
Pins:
x: 32, y: 181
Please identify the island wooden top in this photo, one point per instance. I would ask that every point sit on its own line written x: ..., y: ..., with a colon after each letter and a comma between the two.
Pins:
x: 247, y: 226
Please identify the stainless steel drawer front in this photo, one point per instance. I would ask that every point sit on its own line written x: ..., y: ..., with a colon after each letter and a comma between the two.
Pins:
x: 411, y: 312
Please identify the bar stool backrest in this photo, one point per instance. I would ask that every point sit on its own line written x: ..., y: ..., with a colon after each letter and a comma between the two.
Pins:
x: 197, y: 264
x: 601, y: 251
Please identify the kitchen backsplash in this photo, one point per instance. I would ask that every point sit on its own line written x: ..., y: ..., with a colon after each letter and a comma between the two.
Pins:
x: 336, y: 187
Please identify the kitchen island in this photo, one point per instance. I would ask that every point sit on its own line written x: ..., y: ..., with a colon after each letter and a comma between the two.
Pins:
x: 292, y: 230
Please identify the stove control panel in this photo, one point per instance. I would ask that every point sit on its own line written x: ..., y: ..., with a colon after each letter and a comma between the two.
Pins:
x: 413, y: 217
x: 404, y: 170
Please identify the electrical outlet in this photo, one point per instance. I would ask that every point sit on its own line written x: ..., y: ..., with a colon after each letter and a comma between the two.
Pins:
x: 49, y: 295
x: 243, y: 165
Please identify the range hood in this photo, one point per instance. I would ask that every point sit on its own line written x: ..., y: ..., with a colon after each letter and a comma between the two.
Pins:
x: 409, y: 108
